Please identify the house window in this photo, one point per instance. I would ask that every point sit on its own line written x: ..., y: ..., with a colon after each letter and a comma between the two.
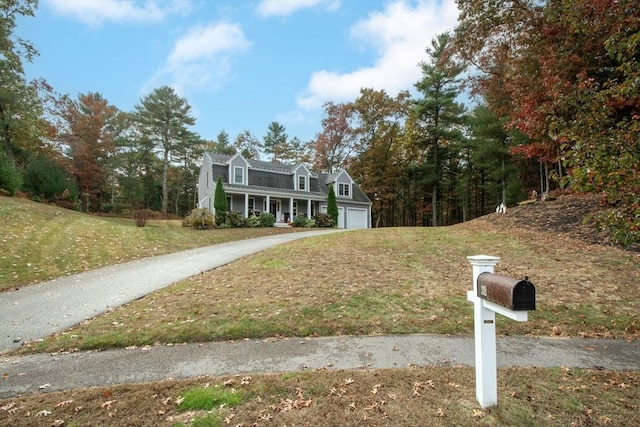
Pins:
x: 238, y: 175
x: 295, y: 208
x: 229, y: 200
x: 252, y: 205
x: 302, y: 182
x: 344, y: 190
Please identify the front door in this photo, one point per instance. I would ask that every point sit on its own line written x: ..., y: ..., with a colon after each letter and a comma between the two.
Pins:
x: 274, y: 208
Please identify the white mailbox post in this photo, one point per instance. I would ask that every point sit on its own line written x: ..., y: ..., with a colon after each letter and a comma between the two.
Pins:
x: 484, y: 314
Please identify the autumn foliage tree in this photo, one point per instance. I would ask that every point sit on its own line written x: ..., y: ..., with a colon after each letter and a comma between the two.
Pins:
x: 568, y: 73
x: 379, y: 123
x: 335, y: 145
x: 247, y: 145
x: 88, y: 129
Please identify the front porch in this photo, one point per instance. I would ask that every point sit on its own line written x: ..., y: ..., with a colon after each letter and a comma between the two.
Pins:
x: 284, y: 209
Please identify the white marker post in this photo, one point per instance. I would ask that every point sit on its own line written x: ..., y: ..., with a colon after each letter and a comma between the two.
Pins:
x: 484, y: 314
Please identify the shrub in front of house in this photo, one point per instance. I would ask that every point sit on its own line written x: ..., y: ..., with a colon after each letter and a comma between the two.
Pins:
x: 266, y: 219
x: 324, y: 220
x: 199, y: 219
x: 235, y: 219
x: 311, y: 223
x: 300, y: 220
x: 251, y: 222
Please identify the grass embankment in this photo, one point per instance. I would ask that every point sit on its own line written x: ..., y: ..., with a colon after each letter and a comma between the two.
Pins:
x: 39, y: 242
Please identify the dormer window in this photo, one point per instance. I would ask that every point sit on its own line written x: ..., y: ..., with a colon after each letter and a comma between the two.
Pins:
x: 344, y: 190
x: 238, y: 175
x: 302, y: 182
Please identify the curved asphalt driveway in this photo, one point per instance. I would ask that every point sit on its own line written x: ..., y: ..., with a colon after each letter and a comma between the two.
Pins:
x: 36, y: 311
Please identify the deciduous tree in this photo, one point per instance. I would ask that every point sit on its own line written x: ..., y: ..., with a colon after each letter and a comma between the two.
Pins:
x: 335, y: 145
x: 248, y: 145
x: 89, y: 124
x: 378, y: 164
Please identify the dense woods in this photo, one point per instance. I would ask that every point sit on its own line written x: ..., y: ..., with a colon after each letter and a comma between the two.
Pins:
x: 522, y: 96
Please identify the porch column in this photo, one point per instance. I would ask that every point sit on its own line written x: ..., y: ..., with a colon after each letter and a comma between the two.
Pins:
x: 308, y: 208
x: 268, y: 209
x: 291, y: 209
x: 246, y: 205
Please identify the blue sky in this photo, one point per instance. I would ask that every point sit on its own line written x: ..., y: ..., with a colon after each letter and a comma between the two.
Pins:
x: 240, y: 64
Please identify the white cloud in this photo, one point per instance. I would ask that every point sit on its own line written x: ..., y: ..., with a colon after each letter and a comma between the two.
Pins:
x: 96, y: 12
x: 283, y: 8
x: 400, y: 35
x: 202, y: 57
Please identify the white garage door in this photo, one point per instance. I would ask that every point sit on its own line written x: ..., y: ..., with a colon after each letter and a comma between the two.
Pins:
x: 356, y: 218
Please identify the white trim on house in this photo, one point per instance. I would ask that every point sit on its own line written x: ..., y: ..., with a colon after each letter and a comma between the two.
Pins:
x: 344, y: 190
x: 242, y: 171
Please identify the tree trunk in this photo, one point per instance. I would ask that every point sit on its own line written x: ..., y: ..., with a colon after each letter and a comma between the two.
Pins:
x: 165, y: 189
x: 504, y: 184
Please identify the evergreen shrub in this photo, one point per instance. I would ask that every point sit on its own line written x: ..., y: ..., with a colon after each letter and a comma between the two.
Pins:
x: 266, y: 219
x: 300, y: 220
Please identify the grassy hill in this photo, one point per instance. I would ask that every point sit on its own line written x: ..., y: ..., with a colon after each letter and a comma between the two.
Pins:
x: 41, y: 242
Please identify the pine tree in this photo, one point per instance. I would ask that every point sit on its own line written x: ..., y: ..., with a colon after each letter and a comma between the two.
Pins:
x: 164, y: 118
x: 220, y: 203
x: 440, y: 116
x: 332, y: 205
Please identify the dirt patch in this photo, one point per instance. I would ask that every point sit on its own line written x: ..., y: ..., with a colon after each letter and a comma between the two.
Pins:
x: 571, y: 215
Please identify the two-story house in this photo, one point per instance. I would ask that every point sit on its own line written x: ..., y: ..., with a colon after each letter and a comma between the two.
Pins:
x: 254, y: 186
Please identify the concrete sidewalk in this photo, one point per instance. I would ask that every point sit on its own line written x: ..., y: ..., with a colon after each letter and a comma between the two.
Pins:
x: 46, y: 372
x: 39, y: 310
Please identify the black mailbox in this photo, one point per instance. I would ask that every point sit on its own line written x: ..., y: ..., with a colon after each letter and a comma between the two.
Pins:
x: 511, y: 293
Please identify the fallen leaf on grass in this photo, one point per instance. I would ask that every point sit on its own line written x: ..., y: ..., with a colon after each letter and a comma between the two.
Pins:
x: 43, y: 413
x: 63, y: 404
x: 477, y: 413
x: 108, y: 404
